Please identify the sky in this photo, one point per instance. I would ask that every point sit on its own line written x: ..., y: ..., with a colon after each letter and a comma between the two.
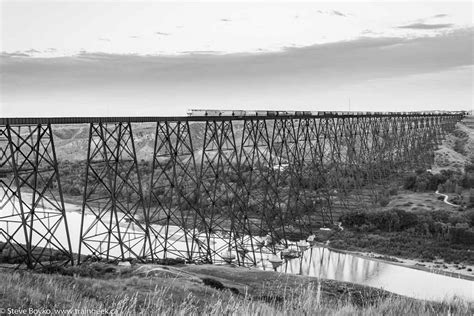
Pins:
x: 90, y: 58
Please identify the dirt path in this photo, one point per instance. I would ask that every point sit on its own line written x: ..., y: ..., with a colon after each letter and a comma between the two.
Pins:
x: 446, y: 199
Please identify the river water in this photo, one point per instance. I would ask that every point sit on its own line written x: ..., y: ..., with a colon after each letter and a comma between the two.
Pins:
x: 315, y: 261
x: 321, y: 262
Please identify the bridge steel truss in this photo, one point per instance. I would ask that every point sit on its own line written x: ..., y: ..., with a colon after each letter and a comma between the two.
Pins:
x: 213, y: 185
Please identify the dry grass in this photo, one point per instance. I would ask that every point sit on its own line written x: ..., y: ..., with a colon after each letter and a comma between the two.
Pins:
x: 457, y: 149
x: 418, y: 201
x: 129, y: 294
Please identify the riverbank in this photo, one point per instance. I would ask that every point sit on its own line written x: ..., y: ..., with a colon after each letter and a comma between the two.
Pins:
x: 416, y: 253
x: 203, y: 290
x: 415, y: 229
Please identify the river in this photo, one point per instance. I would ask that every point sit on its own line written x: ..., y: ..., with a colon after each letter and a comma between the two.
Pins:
x: 315, y: 261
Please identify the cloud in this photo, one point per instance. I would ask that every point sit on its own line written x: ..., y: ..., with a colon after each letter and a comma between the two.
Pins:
x: 15, y: 54
x: 325, y: 64
x: 423, y: 26
x: 32, y: 51
x: 334, y: 12
x: 372, y: 71
x: 440, y: 15
x: 162, y: 33
x: 200, y: 52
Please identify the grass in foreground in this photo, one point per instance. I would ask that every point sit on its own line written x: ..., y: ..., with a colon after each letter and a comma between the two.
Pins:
x: 205, y: 290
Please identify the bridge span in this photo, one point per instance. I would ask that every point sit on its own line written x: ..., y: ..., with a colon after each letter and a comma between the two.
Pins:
x: 216, y: 185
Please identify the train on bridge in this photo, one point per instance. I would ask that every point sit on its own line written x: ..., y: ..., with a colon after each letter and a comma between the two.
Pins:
x: 276, y: 113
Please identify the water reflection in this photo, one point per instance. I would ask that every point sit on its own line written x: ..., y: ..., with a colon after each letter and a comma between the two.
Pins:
x: 319, y: 261
x: 324, y: 263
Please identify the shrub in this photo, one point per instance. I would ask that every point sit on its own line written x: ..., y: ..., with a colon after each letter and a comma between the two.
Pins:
x: 459, y: 146
x: 471, y: 198
x: 467, y: 180
x: 407, y: 219
x: 425, y: 181
x: 384, y: 200
x: 410, y: 182
x: 469, y: 168
x: 438, y: 224
x: 213, y: 283
x: 462, y: 235
x: 354, y: 219
x: 390, y: 220
x: 456, y: 200
x: 393, y: 191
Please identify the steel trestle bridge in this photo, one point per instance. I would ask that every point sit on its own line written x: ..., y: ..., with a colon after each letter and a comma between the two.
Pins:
x: 216, y: 182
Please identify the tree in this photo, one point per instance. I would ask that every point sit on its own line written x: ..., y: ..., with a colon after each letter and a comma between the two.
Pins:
x: 471, y: 198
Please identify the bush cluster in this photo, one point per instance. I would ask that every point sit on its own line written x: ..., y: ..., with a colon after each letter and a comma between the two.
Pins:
x: 467, y: 181
x: 446, y: 181
x: 422, y: 180
x: 443, y: 225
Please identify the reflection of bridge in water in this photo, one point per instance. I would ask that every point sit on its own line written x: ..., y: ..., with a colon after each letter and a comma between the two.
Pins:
x: 235, y: 177
x: 322, y: 262
x: 327, y: 264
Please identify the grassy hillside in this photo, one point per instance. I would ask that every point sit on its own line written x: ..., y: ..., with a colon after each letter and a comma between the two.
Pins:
x: 203, y: 290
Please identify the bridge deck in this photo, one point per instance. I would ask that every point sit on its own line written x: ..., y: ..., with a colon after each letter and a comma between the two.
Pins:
x: 143, y: 119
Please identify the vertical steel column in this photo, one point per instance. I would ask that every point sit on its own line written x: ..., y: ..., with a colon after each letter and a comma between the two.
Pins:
x: 33, y: 176
x: 256, y: 165
x: 219, y: 175
x: 114, y: 192
x: 173, y: 194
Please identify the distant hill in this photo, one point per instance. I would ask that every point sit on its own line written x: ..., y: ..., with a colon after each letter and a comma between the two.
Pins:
x: 457, y: 149
x: 71, y: 141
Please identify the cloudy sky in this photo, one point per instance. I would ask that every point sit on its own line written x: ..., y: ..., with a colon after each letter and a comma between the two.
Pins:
x: 62, y: 58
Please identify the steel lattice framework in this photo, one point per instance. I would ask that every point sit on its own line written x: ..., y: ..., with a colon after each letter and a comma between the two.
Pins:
x: 215, y: 185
